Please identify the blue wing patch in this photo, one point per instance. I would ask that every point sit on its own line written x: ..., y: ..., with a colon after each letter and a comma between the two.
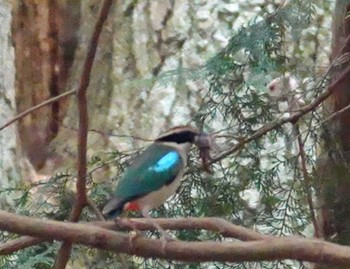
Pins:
x: 166, y: 162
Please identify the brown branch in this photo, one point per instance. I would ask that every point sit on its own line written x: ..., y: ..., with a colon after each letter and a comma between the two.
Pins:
x: 104, y: 134
x: 307, y: 182
x: 340, y: 60
x: 219, y: 225
x: 20, y: 243
x: 336, y: 114
x: 38, y: 106
x: 95, y: 209
x: 273, y: 248
x: 292, y: 119
x: 81, y: 199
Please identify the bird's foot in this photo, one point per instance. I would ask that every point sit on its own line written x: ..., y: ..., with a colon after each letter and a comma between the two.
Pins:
x: 127, y: 224
x: 166, y: 238
x: 134, y: 233
x: 134, y: 236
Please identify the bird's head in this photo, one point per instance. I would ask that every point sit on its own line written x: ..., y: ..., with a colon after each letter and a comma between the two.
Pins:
x: 179, y: 135
x: 182, y: 137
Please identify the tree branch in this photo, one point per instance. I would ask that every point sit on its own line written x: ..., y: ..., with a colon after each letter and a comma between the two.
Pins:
x: 295, y: 248
x: 81, y: 199
x: 38, y: 106
x: 342, y: 59
x: 307, y: 182
x: 20, y: 243
x: 219, y: 225
x: 292, y: 119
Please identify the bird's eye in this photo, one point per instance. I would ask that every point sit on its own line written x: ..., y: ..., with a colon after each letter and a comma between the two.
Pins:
x: 272, y: 88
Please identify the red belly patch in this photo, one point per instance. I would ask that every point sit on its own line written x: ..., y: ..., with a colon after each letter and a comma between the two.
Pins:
x: 132, y: 206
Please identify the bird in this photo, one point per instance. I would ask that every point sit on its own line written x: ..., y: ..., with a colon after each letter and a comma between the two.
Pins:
x: 154, y: 175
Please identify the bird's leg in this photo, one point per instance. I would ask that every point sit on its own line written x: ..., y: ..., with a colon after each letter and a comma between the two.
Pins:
x: 165, y: 236
x: 130, y: 223
x: 134, y: 228
x: 149, y: 219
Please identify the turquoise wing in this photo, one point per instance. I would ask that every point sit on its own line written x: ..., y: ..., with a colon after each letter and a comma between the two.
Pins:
x: 157, y: 166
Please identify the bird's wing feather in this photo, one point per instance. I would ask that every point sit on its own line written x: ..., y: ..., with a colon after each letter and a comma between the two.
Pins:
x: 157, y: 166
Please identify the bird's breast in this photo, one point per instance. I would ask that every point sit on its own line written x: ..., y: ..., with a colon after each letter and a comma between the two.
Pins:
x: 158, y: 197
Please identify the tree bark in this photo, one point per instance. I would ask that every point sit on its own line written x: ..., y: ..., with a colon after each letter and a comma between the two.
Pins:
x: 45, y: 37
x: 333, y: 173
x: 9, y: 168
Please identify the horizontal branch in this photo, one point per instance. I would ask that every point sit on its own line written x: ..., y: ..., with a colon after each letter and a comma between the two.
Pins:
x: 268, y: 249
x: 219, y: 225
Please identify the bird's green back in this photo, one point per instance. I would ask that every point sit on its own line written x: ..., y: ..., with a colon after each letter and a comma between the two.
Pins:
x: 157, y: 166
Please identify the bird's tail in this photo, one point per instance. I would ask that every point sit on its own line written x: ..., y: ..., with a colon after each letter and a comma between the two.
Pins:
x: 113, y: 208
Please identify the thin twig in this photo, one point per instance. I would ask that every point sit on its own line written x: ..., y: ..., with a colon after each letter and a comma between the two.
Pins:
x: 111, y: 134
x: 339, y: 61
x: 95, y: 209
x: 292, y: 119
x: 34, y: 108
x: 335, y: 114
x: 307, y: 182
x: 81, y: 198
x: 14, y: 245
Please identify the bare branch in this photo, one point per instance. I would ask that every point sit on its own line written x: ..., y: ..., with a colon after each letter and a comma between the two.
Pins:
x: 295, y: 248
x: 219, y: 225
x: 19, y: 243
x: 307, y: 182
x: 95, y: 209
x: 34, y: 108
x: 81, y: 199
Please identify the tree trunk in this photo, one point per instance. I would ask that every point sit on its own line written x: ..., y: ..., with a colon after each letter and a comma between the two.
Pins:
x: 9, y: 168
x: 45, y: 38
x: 333, y: 173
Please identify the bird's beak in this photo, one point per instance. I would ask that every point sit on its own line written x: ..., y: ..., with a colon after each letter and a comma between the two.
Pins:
x: 204, y: 141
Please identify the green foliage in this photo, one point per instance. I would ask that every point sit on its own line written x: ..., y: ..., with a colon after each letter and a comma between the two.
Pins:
x: 39, y: 257
x: 236, y: 103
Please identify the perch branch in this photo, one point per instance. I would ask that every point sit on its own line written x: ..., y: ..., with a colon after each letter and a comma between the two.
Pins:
x: 273, y: 248
x: 219, y: 225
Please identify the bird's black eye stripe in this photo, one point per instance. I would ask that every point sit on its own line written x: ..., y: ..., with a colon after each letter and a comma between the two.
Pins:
x: 179, y: 138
